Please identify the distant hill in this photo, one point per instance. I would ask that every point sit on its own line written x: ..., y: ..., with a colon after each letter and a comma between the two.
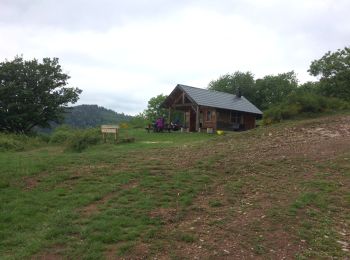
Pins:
x: 93, y: 115
x: 84, y: 116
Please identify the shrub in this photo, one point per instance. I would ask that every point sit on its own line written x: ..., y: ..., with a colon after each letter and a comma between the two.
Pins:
x: 8, y: 143
x: 61, y: 134
x: 44, y: 137
x: 18, y: 142
x: 302, y: 103
x: 81, y: 139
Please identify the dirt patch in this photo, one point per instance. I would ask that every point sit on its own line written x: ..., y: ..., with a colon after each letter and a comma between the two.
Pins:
x: 166, y: 215
x: 31, y: 182
x: 93, y: 208
x: 111, y: 252
x: 53, y: 253
x: 319, y: 141
x: 130, y: 185
x: 139, y: 251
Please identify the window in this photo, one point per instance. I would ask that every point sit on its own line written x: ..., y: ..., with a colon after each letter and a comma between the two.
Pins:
x: 236, y: 117
x: 208, y: 115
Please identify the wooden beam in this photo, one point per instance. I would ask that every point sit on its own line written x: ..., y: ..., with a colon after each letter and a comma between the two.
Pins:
x: 169, y: 118
x: 194, y: 108
x: 216, y: 119
x: 183, y: 105
x: 197, y: 119
x: 185, y: 120
x: 180, y: 97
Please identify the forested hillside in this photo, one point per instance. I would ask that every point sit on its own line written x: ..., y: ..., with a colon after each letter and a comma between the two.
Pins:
x: 93, y: 115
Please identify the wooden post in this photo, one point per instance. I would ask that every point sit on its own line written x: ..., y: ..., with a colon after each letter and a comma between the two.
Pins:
x: 197, y: 119
x: 185, y: 119
x: 214, y: 114
x: 116, y: 135
x: 169, y: 118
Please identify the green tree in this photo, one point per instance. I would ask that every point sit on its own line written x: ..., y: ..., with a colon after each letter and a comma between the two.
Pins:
x: 232, y: 83
x: 138, y: 121
x: 33, y: 94
x: 334, y: 71
x: 309, y: 87
x: 154, y: 110
x: 273, y: 89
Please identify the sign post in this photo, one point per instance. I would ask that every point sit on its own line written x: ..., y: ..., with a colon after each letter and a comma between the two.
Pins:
x: 110, y: 129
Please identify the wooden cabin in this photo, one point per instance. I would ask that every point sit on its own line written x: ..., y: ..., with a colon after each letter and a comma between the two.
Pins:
x: 205, y: 109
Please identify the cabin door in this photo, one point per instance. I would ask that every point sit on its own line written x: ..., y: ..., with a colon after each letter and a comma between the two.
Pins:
x: 192, y: 121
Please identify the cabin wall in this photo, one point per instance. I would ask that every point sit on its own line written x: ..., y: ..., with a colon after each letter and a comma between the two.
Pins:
x: 230, y: 120
x: 218, y: 119
x: 208, y: 120
x: 224, y: 119
x: 249, y: 121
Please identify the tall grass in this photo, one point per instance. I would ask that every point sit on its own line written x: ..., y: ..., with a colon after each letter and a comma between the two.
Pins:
x: 81, y: 139
x: 75, y: 139
x: 20, y: 142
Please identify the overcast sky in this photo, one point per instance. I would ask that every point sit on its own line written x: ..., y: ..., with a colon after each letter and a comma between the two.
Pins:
x: 122, y: 53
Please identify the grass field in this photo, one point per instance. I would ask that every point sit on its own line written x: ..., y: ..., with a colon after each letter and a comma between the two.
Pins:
x: 273, y: 192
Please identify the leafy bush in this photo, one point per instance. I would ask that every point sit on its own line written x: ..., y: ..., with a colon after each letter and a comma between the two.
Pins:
x: 62, y: 134
x: 44, y: 137
x: 18, y: 142
x: 81, y: 139
x: 138, y: 121
x: 302, y: 103
x: 8, y: 143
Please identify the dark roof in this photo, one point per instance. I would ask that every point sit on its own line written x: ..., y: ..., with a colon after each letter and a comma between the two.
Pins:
x: 211, y: 98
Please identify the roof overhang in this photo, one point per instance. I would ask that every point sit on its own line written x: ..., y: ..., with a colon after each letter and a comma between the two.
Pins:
x: 169, y: 101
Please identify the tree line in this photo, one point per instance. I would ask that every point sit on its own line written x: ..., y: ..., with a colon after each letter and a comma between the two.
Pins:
x: 333, y: 69
x: 281, y: 96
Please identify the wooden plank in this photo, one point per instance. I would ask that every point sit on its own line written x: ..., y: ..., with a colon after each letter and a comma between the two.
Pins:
x: 183, y: 105
x: 197, y: 119
x: 169, y: 116
x: 109, y: 130
x: 109, y: 126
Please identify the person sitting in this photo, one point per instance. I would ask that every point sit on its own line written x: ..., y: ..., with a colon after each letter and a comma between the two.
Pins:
x: 160, y: 125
